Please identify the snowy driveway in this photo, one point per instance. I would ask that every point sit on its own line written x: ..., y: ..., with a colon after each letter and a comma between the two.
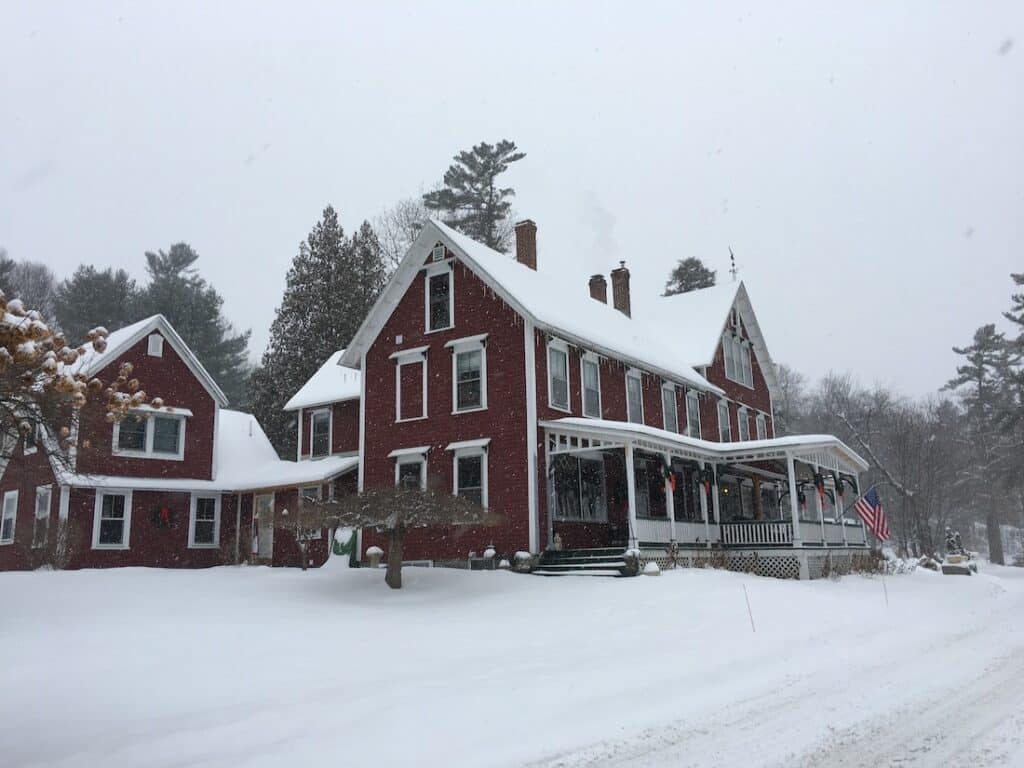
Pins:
x: 261, y: 667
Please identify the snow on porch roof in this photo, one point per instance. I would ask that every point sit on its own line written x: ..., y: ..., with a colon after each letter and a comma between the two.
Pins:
x: 777, y: 447
x: 331, y: 383
x: 571, y: 315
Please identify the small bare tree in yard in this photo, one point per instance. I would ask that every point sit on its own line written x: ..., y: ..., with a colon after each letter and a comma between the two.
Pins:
x: 305, y: 522
x: 397, y: 511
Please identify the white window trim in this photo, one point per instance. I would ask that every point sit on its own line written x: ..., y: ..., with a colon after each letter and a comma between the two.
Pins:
x: 192, y: 521
x: 155, y: 345
x: 330, y: 431
x: 693, y: 394
x: 98, y: 512
x: 421, y: 360
x: 669, y: 387
x: 462, y: 346
x: 762, y: 426
x: 562, y: 347
x: 728, y: 421
x: 463, y: 452
x: 439, y: 268
x: 148, y: 453
x: 743, y: 423
x: 590, y: 357
x: 14, y: 516
x: 405, y: 457
x: 48, y: 489
x: 639, y: 376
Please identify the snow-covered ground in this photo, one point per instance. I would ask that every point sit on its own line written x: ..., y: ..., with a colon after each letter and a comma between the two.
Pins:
x: 262, y: 667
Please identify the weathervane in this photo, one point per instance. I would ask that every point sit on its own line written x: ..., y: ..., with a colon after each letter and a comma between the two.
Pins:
x: 732, y: 265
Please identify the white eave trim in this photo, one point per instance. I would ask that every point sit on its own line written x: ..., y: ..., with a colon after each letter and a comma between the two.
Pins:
x: 166, y: 411
x: 413, y: 352
x: 418, y: 451
x: 483, y: 442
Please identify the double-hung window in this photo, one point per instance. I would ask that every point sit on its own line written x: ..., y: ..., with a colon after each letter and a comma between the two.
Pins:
x: 439, y: 298
x: 669, y: 408
x: 41, y: 525
x: 204, y: 522
x: 410, y: 468
x: 10, y: 516
x: 762, y: 427
x: 693, y: 414
x: 471, y: 476
x: 724, y: 425
x: 558, y: 377
x: 591, y: 375
x: 738, y: 366
x: 469, y: 373
x: 150, y: 436
x: 743, y: 417
x: 634, y: 396
x: 112, y: 520
x: 320, y: 433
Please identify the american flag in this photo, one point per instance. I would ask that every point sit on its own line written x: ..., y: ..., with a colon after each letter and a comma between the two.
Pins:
x: 869, y: 507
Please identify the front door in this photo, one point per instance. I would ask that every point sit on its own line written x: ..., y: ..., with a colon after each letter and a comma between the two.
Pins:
x: 265, y: 526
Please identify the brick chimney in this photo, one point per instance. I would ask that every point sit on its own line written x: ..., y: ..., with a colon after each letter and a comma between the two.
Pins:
x: 526, y: 243
x: 620, y: 288
x: 599, y: 288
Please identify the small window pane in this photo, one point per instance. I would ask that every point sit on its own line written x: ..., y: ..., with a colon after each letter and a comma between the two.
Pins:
x: 131, y: 434
x: 730, y: 358
x: 692, y: 415
x: 42, y: 522
x: 204, y: 529
x: 558, y: 366
x: 724, y: 428
x: 321, y: 438
x: 112, y: 520
x: 592, y: 496
x: 410, y: 475
x: 762, y: 430
x: 566, y: 487
x: 440, y: 309
x: 591, y: 389
x: 469, y: 373
x: 470, y: 469
x: 744, y: 425
x: 634, y: 399
x: 166, y: 434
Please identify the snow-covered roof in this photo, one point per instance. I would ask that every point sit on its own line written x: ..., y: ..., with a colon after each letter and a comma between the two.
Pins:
x: 331, y: 383
x: 572, y: 316
x: 731, y: 451
x: 121, y: 340
x: 245, y: 461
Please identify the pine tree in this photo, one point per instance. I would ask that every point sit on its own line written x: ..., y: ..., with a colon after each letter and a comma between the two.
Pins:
x: 689, y: 275
x: 470, y: 199
x: 194, y: 308
x: 332, y: 283
x: 92, y: 297
x: 6, y: 265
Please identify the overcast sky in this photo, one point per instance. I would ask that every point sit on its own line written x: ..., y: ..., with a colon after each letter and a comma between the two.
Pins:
x: 864, y: 165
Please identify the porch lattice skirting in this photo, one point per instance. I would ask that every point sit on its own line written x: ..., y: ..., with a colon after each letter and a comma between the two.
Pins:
x: 774, y: 563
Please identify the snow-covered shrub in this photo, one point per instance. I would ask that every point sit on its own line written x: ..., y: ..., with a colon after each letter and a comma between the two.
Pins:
x: 652, y: 569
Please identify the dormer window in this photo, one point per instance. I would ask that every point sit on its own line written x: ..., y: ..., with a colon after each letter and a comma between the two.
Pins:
x: 155, y: 345
x: 439, y: 299
x: 320, y: 433
x: 156, y: 436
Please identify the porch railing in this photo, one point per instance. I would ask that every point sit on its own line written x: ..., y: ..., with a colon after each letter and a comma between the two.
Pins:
x: 687, y: 531
x: 833, y: 532
x: 770, y: 534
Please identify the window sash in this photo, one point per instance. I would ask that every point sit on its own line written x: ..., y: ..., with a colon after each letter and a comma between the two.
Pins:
x: 744, y: 424
x: 134, y: 437
x: 669, y: 408
x: 634, y: 399
x: 558, y: 376
x: 730, y: 358
x: 591, y: 389
x: 112, y: 520
x: 406, y: 479
x: 10, y: 514
x: 469, y: 379
x: 166, y: 434
x: 439, y: 301
x: 762, y: 427
x: 41, y: 526
x: 320, y: 437
x: 692, y: 415
x: 747, y: 371
x: 204, y: 523
x: 724, y: 425
x: 470, y: 477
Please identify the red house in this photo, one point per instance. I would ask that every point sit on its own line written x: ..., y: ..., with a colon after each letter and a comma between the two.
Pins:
x: 190, y: 484
x: 598, y: 430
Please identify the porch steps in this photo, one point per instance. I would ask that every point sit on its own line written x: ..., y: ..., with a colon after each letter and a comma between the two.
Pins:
x: 608, y: 561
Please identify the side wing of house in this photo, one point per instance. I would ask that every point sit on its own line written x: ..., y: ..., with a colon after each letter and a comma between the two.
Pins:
x: 31, y: 503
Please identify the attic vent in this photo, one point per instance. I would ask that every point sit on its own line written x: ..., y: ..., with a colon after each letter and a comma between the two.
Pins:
x: 156, y: 345
x: 438, y: 253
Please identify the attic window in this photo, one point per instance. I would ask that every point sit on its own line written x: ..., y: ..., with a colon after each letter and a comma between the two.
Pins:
x: 156, y: 345
x: 437, y: 254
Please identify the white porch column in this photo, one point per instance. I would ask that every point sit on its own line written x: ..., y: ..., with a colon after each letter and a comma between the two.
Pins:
x: 794, y: 503
x: 716, y: 505
x: 704, y: 508
x: 549, y: 494
x: 631, y: 494
x: 840, y: 508
x: 670, y: 504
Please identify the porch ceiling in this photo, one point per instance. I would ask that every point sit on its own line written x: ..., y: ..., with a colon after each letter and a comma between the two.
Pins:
x: 575, y: 435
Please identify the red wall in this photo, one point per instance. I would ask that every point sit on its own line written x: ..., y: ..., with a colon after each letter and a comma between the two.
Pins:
x: 344, y: 427
x: 24, y: 474
x: 169, y: 378
x: 477, y: 310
